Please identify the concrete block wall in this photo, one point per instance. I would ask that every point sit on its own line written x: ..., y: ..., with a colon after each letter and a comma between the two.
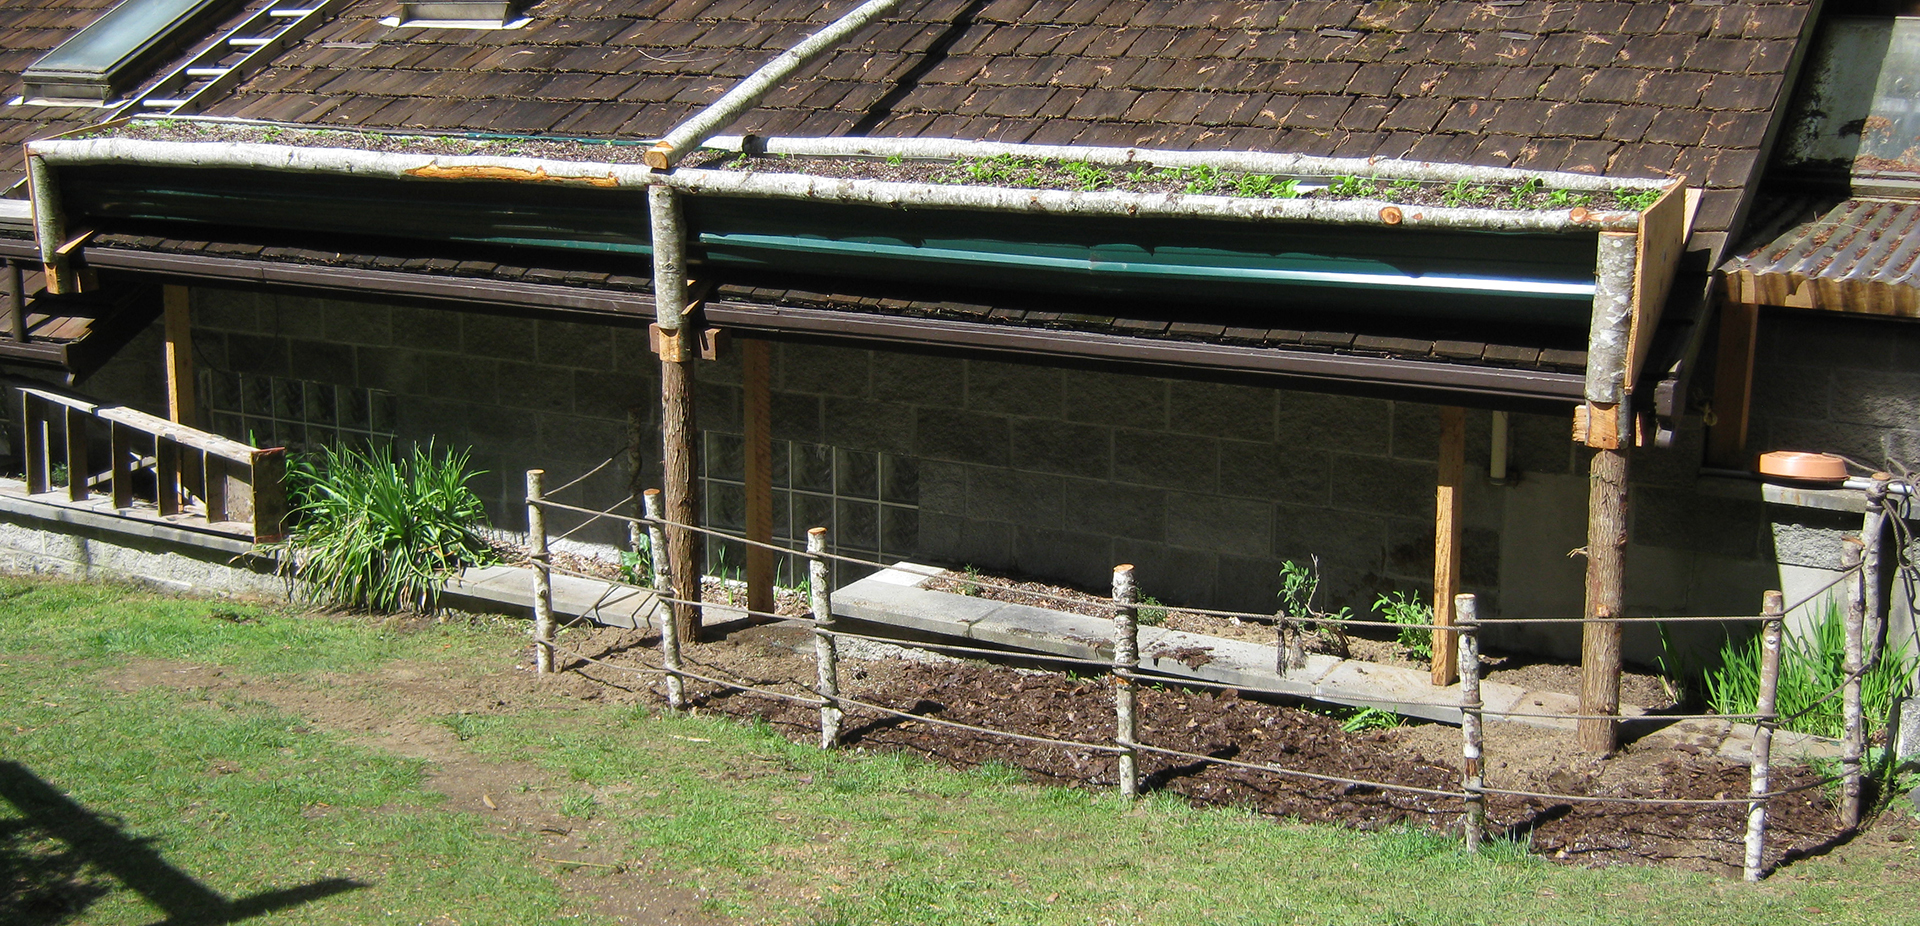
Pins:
x: 1846, y: 384
x: 1062, y: 472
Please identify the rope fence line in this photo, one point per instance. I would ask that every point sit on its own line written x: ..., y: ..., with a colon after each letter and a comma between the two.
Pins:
x: 1124, y: 674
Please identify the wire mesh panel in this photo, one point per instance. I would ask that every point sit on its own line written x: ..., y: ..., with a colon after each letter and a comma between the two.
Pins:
x: 869, y: 502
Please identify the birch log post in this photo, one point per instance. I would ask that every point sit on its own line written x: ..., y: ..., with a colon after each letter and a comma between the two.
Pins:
x: 1599, y: 732
x: 820, y: 585
x: 542, y: 572
x: 1760, y: 773
x: 1126, y: 658
x: 678, y: 429
x: 663, y: 586
x: 1872, y: 538
x: 1853, y: 740
x: 16, y: 302
x: 1466, y: 616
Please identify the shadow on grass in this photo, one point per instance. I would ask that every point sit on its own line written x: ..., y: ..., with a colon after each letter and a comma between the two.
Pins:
x: 41, y: 885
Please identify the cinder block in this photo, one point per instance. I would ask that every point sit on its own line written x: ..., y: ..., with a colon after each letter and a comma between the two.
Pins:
x: 1222, y: 410
x: 1172, y: 461
x: 1013, y: 389
x: 1115, y: 399
x: 1331, y: 422
x: 963, y: 437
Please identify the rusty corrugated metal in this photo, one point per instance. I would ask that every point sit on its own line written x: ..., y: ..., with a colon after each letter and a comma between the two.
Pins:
x: 1859, y: 256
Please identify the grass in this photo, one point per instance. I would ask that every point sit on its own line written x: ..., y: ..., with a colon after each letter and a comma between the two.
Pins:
x: 1812, y: 667
x: 249, y: 799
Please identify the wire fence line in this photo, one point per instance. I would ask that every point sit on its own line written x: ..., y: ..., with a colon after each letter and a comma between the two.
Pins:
x: 1123, y: 671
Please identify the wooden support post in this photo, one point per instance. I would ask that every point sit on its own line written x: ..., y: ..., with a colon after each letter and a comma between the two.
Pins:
x: 1472, y: 758
x: 826, y: 658
x: 16, y: 302
x: 1126, y: 659
x: 756, y: 380
x: 677, y: 325
x: 1758, y: 773
x: 35, y: 437
x: 181, y: 407
x: 120, y: 442
x: 542, y: 574
x: 78, y: 467
x: 1733, y: 384
x: 166, y: 476
x: 663, y: 584
x: 1446, y: 536
x: 1853, y: 737
x: 1606, y: 574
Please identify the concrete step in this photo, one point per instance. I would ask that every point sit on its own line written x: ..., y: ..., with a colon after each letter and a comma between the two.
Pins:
x: 495, y: 588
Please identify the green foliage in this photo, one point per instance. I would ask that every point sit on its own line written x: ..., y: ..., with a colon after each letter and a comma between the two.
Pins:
x: 970, y: 574
x: 636, y: 565
x: 1415, y: 620
x: 1638, y: 200
x: 1299, y: 583
x: 1567, y: 199
x: 1347, y: 186
x: 1463, y: 193
x: 1371, y: 718
x: 1152, y: 612
x: 376, y: 533
x: 1811, y: 666
x: 1522, y: 194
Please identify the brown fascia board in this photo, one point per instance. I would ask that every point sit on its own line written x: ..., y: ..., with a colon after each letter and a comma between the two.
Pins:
x: 1439, y: 382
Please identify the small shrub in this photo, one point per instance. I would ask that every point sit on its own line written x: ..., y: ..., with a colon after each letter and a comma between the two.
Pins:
x: 1811, y: 665
x: 1371, y: 718
x: 382, y: 534
x: 1152, y: 612
x: 636, y: 565
x: 1415, y: 620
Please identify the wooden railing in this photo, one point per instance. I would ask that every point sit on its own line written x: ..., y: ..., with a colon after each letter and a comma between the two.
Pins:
x: 143, y: 463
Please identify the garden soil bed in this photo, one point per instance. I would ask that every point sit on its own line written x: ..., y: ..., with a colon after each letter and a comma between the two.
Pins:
x: 1226, y: 725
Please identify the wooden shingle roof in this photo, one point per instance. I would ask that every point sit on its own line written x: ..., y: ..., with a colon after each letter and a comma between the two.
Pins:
x: 1602, y: 86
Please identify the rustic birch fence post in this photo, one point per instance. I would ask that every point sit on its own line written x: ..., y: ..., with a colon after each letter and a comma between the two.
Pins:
x: 1872, y: 532
x: 828, y: 686
x: 542, y: 571
x: 1852, y: 741
x: 1466, y: 617
x: 663, y: 587
x: 1764, y: 705
x: 1126, y: 658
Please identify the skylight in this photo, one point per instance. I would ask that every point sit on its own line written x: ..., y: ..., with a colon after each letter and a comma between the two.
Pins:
x: 121, y: 47
x: 457, y: 14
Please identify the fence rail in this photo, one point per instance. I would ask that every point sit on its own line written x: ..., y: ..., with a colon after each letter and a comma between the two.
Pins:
x: 133, y: 458
x: 1125, y: 675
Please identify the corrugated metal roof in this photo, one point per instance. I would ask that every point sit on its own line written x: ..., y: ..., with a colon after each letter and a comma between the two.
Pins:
x: 1859, y: 256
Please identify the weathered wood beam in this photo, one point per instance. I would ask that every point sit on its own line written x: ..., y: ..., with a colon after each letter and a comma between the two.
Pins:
x: 181, y: 407
x: 756, y: 380
x: 1446, y: 538
x: 1733, y: 384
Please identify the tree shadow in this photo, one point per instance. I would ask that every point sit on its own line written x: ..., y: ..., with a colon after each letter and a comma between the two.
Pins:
x: 44, y: 883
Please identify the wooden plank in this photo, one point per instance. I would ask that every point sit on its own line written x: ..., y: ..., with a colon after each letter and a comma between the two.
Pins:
x: 268, y: 508
x: 78, y: 469
x: 121, y: 440
x: 756, y: 379
x: 1597, y: 425
x: 1446, y: 539
x: 181, y: 407
x: 39, y: 465
x: 214, y: 471
x: 1733, y: 384
x: 166, y: 473
x: 1656, y: 257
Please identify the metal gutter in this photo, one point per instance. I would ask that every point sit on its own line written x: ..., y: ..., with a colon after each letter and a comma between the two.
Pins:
x: 1188, y: 356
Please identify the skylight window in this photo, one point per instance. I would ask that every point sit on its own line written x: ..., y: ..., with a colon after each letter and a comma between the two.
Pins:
x: 101, y: 61
x: 459, y: 14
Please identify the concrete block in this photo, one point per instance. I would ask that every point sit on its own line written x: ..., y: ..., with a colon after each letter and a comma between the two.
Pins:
x: 1222, y: 410
x: 865, y: 424
x: 1339, y: 539
x: 998, y: 494
x: 943, y: 487
x: 1272, y: 471
x: 920, y: 379
x: 1013, y: 389
x: 1878, y: 399
x: 1906, y: 733
x: 1331, y: 422
x: 962, y: 541
x: 1169, y: 574
x: 257, y: 354
x: 359, y: 323
x: 1804, y: 537
x: 495, y: 336
x: 1682, y: 520
x: 822, y: 370
x: 1169, y: 461
x: 295, y: 316
x: 224, y: 309
x: 609, y: 395
x: 1116, y: 399
x: 573, y: 344
x: 1401, y: 488
x: 717, y: 406
x: 1084, y: 560
x: 1113, y: 510
x: 1067, y: 449
x: 422, y: 328
x: 1247, y: 583
x: 1226, y: 525
x: 963, y: 437
x: 535, y: 388
x: 1416, y: 431
x: 1540, y: 444
x: 320, y: 361
x: 796, y: 417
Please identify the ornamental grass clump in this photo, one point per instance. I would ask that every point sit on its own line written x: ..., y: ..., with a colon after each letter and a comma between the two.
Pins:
x: 1812, y: 669
x: 376, y: 533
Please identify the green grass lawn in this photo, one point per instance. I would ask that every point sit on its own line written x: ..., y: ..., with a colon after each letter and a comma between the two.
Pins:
x: 144, y: 804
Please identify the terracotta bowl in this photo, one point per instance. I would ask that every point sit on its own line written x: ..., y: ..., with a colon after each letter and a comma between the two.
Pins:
x: 1806, y: 467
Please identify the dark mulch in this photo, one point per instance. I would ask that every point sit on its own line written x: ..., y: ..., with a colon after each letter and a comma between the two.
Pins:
x: 1225, y: 725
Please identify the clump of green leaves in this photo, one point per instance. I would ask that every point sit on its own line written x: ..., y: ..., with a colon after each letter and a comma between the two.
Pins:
x: 378, y: 533
x: 1299, y: 584
x: 1464, y: 193
x: 636, y: 565
x: 1812, y: 665
x: 1638, y: 200
x: 1347, y: 186
x: 1414, y: 618
x: 1371, y: 718
x: 1152, y: 612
